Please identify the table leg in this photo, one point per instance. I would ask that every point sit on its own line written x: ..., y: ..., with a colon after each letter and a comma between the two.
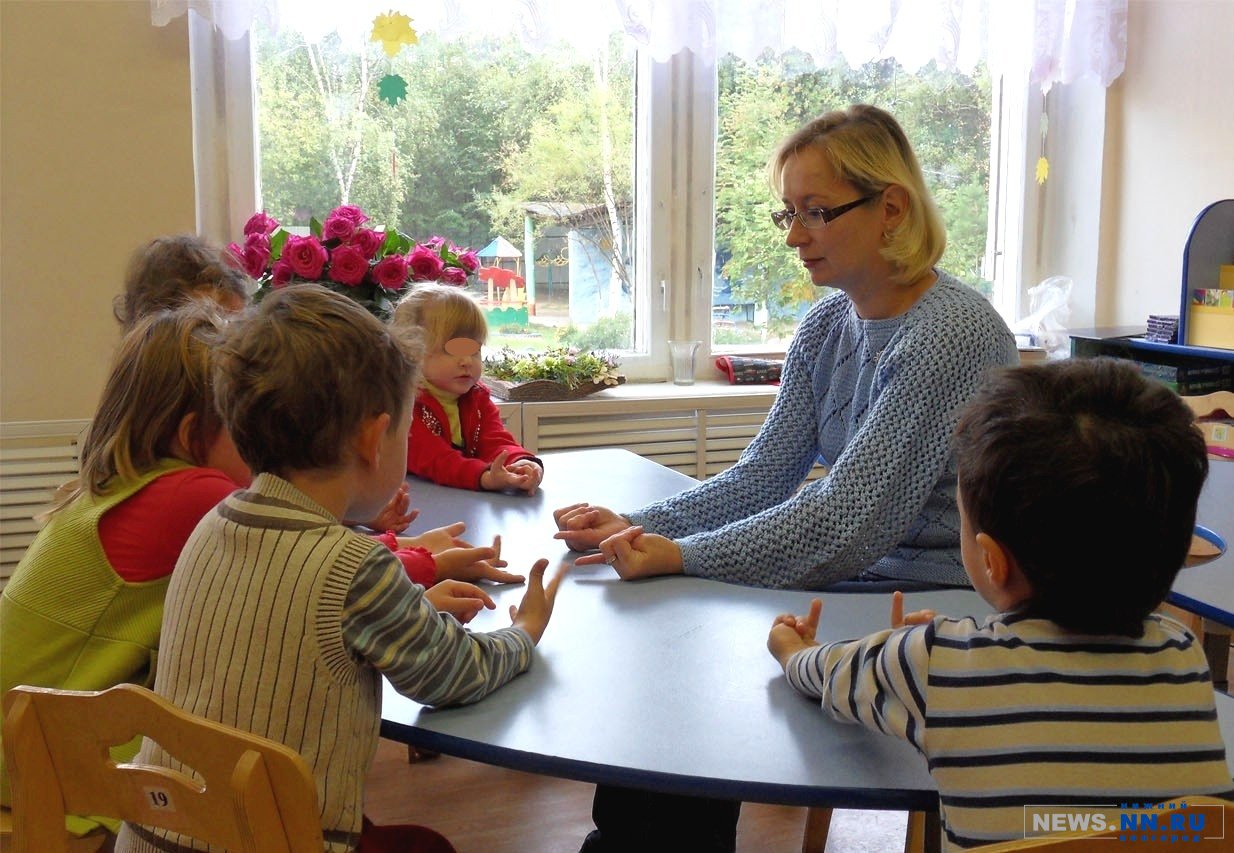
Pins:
x: 818, y: 822
x: 924, y: 833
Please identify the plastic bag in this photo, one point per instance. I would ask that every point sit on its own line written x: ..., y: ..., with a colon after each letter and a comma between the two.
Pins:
x: 1045, y: 325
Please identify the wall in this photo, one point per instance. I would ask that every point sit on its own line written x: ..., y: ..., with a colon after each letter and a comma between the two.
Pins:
x: 1169, y: 151
x: 96, y: 157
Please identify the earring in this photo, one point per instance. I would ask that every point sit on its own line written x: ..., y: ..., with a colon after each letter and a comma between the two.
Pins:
x: 887, y: 235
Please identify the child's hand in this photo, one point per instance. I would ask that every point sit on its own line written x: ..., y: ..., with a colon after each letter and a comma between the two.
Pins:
x: 899, y: 618
x: 584, y: 527
x: 461, y: 600
x: 635, y: 554
x: 397, y: 514
x: 438, y: 539
x: 474, y: 564
x: 533, y: 473
x: 537, y: 606
x: 790, y: 634
x: 498, y: 478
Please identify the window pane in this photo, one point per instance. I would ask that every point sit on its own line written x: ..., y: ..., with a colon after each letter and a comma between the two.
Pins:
x: 760, y: 290
x: 526, y: 158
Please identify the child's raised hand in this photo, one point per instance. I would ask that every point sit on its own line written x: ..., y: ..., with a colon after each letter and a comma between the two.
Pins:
x: 584, y: 527
x: 474, y: 564
x: 790, y: 634
x: 438, y: 539
x: 533, y: 613
x: 461, y: 600
x: 397, y: 514
x: 532, y: 473
x: 899, y: 618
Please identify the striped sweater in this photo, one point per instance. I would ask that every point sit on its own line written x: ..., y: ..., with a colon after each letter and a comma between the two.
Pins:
x: 281, y: 621
x: 1017, y: 711
x: 876, y: 401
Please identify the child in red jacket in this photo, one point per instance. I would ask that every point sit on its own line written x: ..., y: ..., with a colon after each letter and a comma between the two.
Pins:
x: 457, y: 437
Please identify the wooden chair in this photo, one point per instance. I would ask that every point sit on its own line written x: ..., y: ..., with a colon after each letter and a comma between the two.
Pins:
x: 1224, y: 827
x: 250, y: 793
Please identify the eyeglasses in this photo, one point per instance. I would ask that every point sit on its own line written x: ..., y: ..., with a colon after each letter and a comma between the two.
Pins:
x: 814, y: 217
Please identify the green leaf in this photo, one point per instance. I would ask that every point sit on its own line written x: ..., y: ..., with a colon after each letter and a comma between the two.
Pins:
x: 277, y: 241
x: 315, y: 228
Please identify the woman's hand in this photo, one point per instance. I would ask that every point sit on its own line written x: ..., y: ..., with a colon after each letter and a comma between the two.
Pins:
x: 584, y: 527
x: 635, y: 554
x: 790, y: 634
x: 461, y: 600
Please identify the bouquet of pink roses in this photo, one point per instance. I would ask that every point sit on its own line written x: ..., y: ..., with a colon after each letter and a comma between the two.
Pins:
x: 372, y: 267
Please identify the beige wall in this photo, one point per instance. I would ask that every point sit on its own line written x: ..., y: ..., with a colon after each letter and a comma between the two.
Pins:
x: 1169, y: 151
x: 96, y: 157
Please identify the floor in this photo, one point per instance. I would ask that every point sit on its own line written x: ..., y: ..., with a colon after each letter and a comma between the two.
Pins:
x: 484, y: 809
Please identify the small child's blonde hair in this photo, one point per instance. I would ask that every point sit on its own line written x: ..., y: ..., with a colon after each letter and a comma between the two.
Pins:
x: 442, y: 312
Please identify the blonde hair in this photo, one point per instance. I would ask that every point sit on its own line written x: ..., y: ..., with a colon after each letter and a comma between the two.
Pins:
x: 296, y: 377
x: 169, y: 270
x: 442, y: 312
x: 160, y: 374
x: 867, y: 148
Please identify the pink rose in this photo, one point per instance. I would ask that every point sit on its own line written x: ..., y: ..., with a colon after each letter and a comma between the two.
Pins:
x: 434, y: 242
x: 348, y: 266
x: 280, y: 275
x: 306, y: 255
x: 425, y: 264
x: 391, y: 272
x: 253, y: 255
x: 350, y: 212
x: 260, y: 223
x: 454, y: 275
x: 338, y: 228
x: 469, y: 261
x: 368, y: 241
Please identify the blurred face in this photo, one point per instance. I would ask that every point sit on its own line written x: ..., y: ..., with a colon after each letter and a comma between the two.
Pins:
x: 454, y: 366
x: 222, y: 455
x: 844, y: 252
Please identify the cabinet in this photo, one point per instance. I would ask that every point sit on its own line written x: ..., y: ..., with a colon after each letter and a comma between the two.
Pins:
x: 1186, y: 369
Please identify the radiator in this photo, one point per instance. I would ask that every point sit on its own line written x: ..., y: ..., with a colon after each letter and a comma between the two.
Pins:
x: 698, y: 436
x: 36, y: 458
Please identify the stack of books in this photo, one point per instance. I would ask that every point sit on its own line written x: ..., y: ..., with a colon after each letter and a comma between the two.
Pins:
x: 1162, y: 329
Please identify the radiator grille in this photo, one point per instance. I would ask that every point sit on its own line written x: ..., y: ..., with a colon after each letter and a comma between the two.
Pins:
x: 36, y: 458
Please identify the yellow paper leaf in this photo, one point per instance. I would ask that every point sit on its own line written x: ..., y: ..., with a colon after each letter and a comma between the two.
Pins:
x: 1043, y: 169
x: 393, y: 30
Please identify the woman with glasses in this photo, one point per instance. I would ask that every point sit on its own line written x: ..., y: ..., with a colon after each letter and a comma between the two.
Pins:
x: 871, y: 387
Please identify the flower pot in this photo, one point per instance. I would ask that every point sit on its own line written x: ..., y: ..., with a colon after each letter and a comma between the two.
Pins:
x: 541, y: 390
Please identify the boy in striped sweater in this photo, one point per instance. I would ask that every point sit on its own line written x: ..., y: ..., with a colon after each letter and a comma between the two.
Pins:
x: 1078, y: 484
x: 281, y: 620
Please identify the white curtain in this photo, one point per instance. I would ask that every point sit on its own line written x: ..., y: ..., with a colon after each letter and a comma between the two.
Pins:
x: 1070, y: 39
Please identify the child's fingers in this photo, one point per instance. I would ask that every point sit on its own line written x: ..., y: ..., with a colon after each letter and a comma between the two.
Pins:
x: 550, y: 592
x: 816, y: 610
x: 897, y: 609
x: 919, y: 617
x: 496, y: 575
x: 497, y: 550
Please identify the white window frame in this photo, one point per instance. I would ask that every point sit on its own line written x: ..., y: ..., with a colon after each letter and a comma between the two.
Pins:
x: 676, y: 109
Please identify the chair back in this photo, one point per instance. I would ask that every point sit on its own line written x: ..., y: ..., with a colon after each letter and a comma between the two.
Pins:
x: 239, y: 791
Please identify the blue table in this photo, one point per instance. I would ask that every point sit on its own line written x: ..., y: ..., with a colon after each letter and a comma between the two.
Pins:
x: 665, y: 684
x: 1208, y: 589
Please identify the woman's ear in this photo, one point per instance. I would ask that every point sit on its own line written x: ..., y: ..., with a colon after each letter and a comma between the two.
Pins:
x: 369, y: 439
x: 894, y: 206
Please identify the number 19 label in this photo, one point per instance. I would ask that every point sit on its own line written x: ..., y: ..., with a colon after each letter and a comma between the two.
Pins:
x: 160, y: 799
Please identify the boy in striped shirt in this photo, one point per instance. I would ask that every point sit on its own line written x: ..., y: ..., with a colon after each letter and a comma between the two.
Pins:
x: 1077, y: 488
